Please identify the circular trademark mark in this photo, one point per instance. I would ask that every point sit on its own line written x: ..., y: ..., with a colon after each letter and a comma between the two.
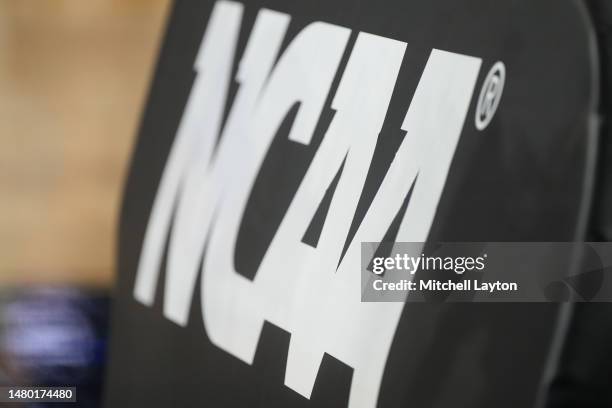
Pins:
x: 490, y: 95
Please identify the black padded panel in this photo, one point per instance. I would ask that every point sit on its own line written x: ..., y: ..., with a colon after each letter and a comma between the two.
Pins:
x: 583, y: 370
x: 520, y: 179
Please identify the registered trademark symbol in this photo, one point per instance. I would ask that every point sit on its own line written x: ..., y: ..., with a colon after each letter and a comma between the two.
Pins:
x: 490, y: 95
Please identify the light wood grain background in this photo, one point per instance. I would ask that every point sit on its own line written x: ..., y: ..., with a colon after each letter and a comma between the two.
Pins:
x: 73, y: 78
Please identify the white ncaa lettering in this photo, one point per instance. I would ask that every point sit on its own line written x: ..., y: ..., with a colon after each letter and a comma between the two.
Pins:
x: 297, y: 287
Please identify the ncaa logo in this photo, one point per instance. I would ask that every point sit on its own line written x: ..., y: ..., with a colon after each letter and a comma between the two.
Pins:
x: 310, y: 291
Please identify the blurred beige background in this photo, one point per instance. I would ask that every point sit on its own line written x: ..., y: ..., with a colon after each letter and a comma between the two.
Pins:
x: 73, y: 78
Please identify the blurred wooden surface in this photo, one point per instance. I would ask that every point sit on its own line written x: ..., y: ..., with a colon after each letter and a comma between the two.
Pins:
x: 73, y: 78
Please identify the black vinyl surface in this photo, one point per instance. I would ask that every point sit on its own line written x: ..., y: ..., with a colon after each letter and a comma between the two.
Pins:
x: 584, y: 368
x: 520, y: 179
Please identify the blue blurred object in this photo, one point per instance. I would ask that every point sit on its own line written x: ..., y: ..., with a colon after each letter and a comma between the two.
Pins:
x: 55, y: 337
